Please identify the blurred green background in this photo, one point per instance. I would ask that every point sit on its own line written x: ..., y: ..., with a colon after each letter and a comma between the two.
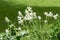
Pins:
x: 10, y: 8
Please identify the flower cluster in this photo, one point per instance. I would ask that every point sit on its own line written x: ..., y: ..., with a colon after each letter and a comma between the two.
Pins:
x: 29, y: 15
x: 20, y: 17
x: 50, y: 14
x: 13, y: 33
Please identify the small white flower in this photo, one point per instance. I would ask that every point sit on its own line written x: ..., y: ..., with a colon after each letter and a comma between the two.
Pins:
x: 45, y: 21
x: 26, y: 11
x: 20, y: 21
x: 39, y: 17
x: 34, y: 15
x: 29, y: 8
x: 19, y: 28
x: 23, y: 32
x: 12, y: 25
x: 30, y: 14
x: 6, y: 30
x: 55, y: 16
x: 46, y: 13
x: 19, y: 13
x: 27, y: 17
x: 6, y: 19
x: 50, y: 14
x: 19, y: 18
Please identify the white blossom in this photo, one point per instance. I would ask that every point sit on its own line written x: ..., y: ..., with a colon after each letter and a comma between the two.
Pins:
x: 27, y: 17
x: 20, y: 20
x: 46, y: 13
x: 26, y: 11
x: 50, y: 14
x: 34, y: 15
x: 39, y: 17
x: 23, y: 32
x: 19, y: 13
x: 29, y: 8
x: 29, y: 14
x: 6, y: 30
x: 12, y: 25
x: 6, y: 19
x: 19, y: 28
x: 45, y: 21
x: 55, y: 16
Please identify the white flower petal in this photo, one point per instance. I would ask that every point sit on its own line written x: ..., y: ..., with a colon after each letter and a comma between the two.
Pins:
x: 50, y: 14
x: 39, y: 17
x: 6, y: 19
x: 19, y: 13
x: 45, y: 21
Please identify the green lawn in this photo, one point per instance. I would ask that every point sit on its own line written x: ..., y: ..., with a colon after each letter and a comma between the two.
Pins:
x: 35, y: 2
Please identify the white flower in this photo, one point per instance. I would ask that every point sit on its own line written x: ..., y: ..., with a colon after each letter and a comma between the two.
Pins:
x: 12, y: 25
x: 55, y: 16
x: 6, y: 19
x: 19, y: 28
x: 29, y: 8
x: 50, y: 14
x: 26, y: 11
x: 27, y: 17
x: 45, y: 21
x: 23, y: 32
x: 39, y: 17
x: 19, y: 13
x: 34, y: 15
x: 46, y: 13
x: 6, y: 30
x: 20, y: 20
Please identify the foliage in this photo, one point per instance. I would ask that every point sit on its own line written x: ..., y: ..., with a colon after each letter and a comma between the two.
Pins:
x: 33, y: 27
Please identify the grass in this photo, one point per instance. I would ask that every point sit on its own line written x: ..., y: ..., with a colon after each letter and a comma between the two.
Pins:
x: 10, y: 8
x: 35, y: 2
